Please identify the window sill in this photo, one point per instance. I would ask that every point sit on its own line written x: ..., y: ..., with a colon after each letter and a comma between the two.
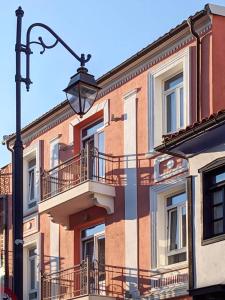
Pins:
x: 213, y: 240
x: 171, y: 268
x: 30, y: 211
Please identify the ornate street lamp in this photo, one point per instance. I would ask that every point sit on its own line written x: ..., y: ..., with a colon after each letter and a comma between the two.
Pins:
x: 81, y: 93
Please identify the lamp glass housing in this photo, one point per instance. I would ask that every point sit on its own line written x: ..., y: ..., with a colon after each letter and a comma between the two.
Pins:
x: 82, y: 92
x: 81, y: 98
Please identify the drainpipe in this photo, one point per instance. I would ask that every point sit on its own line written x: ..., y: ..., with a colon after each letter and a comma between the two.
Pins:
x: 198, y: 68
x: 191, y: 237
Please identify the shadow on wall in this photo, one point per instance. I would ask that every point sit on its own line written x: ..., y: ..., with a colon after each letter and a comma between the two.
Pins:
x: 51, y: 264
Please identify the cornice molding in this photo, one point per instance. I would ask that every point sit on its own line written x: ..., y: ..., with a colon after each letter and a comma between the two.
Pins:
x: 153, y: 60
x: 46, y: 126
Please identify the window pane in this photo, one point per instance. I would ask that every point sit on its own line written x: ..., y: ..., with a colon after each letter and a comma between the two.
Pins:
x: 31, y: 163
x: 31, y: 184
x: 32, y: 274
x: 219, y: 177
x: 181, y: 107
x: 32, y: 204
x: 171, y: 112
x: 92, y: 230
x: 101, y: 142
x: 184, y: 227
x: 88, y: 249
x: 101, y: 250
x: 218, y: 197
x: 176, y: 199
x: 173, y: 259
x: 218, y: 212
x: 92, y: 129
x: 172, y: 82
x: 173, y: 230
x: 32, y: 252
x: 101, y: 160
x: 33, y: 296
x: 32, y: 268
x: 218, y: 227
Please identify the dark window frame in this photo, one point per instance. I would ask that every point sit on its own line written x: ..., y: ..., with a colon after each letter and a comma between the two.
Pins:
x: 209, y: 187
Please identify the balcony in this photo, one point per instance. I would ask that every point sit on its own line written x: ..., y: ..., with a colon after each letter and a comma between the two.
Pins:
x: 169, y: 284
x: 77, y: 184
x: 86, y: 280
x: 95, y: 281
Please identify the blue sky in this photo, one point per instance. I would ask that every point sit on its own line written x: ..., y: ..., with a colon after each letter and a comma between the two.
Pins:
x: 110, y: 30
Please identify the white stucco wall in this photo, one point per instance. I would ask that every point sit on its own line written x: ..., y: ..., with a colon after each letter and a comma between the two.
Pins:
x: 209, y: 259
x: 130, y: 170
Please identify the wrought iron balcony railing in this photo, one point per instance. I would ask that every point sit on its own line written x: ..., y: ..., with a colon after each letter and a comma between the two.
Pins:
x: 88, y: 165
x: 5, y: 183
x: 93, y: 278
x: 78, y: 281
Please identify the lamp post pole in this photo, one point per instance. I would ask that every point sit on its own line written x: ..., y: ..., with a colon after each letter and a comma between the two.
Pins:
x: 82, y: 91
x: 18, y: 174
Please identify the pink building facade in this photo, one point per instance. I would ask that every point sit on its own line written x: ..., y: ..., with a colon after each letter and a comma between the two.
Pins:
x: 105, y: 215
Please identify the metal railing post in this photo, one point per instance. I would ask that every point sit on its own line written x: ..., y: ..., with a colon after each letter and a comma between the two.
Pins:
x: 88, y: 276
x: 88, y: 160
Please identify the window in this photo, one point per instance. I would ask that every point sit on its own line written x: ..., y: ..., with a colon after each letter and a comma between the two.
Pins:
x: 93, y: 248
x: 169, y: 101
x: 93, y: 243
x: 173, y: 104
x: 32, y: 273
x: 31, y: 175
x: 92, y: 129
x: 214, y: 202
x: 176, y: 228
x: 54, y: 162
x: 168, y: 227
x: 32, y: 183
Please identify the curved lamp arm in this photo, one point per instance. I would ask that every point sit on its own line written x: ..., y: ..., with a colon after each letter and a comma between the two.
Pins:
x: 26, y: 48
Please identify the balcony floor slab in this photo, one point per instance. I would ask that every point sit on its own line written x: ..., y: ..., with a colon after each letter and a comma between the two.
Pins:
x: 78, y: 198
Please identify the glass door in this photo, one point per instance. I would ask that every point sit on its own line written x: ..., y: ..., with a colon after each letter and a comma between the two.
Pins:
x: 89, y: 148
x: 92, y: 140
x: 99, y: 242
x: 93, y: 249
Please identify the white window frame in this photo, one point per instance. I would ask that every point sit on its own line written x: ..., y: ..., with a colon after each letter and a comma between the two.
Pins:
x: 32, y: 241
x: 34, y: 169
x: 175, y: 90
x: 54, y: 162
x: 31, y: 152
x: 179, y: 208
x: 175, y: 64
x: 158, y: 227
x: 34, y: 257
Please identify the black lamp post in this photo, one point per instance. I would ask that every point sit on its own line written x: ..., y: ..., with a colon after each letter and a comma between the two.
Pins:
x: 81, y: 92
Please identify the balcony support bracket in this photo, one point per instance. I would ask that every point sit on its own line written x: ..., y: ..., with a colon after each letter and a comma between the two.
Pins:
x: 107, y: 202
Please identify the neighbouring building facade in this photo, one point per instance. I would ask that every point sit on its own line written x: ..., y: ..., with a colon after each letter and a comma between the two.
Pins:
x: 203, y: 145
x: 105, y: 214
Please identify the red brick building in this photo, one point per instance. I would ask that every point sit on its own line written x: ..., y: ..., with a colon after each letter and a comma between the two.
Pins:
x: 105, y: 215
